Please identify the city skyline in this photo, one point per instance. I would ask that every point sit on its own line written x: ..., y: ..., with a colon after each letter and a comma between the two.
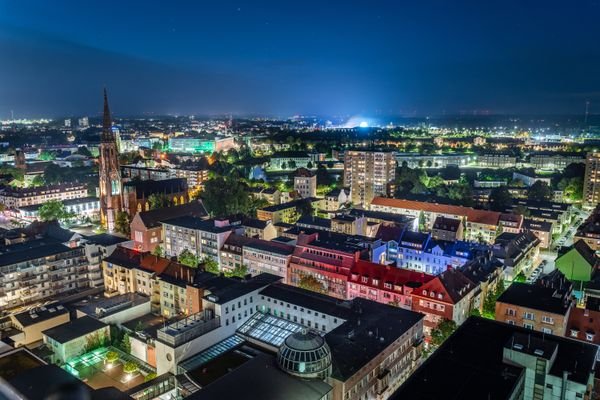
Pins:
x: 279, y: 59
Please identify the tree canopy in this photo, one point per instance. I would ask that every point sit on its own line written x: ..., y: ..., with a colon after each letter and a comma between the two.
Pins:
x: 53, y: 210
x: 188, y: 258
x: 442, y: 332
x: 500, y: 198
x: 226, y: 196
x: 540, y: 191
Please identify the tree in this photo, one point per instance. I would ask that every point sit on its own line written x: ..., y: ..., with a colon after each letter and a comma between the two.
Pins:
x: 111, y: 357
x: 540, y: 191
x: 188, y: 258
x: 309, y: 282
x: 520, y: 278
x: 53, y: 210
x: 94, y: 341
x: 283, y: 165
x: 522, y: 210
x: 304, y: 207
x: 226, y: 196
x: 158, y: 251
x: 122, y: 223
x: 240, y: 271
x: 210, y: 265
x: 323, y: 177
x: 47, y: 156
x: 292, y: 164
x: 159, y: 200
x: 84, y: 151
x: 130, y: 367
x: 38, y: 181
x: 442, y: 332
x: 125, y: 344
x: 500, y: 199
x: 309, y: 165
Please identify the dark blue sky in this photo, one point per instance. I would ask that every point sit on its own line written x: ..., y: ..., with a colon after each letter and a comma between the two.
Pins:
x: 406, y: 58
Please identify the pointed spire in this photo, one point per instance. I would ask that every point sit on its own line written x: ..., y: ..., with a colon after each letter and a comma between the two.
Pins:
x: 107, y: 135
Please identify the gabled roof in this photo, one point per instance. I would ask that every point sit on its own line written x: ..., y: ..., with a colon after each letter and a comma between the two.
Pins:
x: 386, y: 274
x: 473, y: 215
x: 153, y: 218
x: 387, y: 233
x: 452, y: 284
x: 446, y: 224
x: 586, y: 252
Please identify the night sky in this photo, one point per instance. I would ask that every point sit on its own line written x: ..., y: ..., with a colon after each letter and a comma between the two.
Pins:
x: 280, y: 58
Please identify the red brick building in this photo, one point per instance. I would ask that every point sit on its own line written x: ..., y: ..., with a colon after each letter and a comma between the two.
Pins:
x: 449, y: 295
x: 384, y: 283
x: 326, y: 260
x: 146, y: 226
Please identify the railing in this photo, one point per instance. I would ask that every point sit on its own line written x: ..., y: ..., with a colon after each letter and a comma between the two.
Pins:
x: 188, y: 329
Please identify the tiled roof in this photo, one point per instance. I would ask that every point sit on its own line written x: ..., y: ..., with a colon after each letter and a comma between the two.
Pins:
x: 386, y: 274
x: 452, y: 284
x: 473, y: 215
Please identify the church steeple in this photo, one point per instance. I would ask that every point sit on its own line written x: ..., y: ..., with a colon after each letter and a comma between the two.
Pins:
x: 111, y: 202
x: 107, y: 134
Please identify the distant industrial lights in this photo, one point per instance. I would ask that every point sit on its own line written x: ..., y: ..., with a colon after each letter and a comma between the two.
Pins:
x: 364, y: 124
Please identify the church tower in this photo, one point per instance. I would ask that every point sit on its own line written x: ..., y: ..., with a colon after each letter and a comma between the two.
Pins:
x: 110, y: 173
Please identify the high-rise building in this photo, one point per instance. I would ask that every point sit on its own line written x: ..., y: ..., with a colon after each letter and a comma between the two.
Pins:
x: 368, y: 173
x: 84, y: 122
x: 68, y: 123
x: 591, y: 189
x: 110, y: 173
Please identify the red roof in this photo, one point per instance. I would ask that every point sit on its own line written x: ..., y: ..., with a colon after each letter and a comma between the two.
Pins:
x: 452, y: 284
x: 472, y: 214
x: 584, y: 321
x: 386, y: 274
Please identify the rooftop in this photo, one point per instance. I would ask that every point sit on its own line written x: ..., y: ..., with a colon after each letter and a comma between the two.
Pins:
x: 40, y: 314
x: 153, y: 218
x: 72, y: 330
x: 239, y: 288
x: 106, y: 239
x: 457, y: 371
x: 270, y: 384
x: 535, y: 296
x: 472, y: 214
x: 31, y: 250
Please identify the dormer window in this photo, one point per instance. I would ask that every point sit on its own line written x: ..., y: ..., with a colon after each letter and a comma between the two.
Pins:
x: 574, y: 332
x: 589, y: 336
x: 440, y: 296
x: 432, y: 294
x: 425, y: 292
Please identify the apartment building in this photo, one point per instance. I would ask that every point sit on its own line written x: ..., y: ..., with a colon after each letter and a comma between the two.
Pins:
x: 41, y: 269
x: 591, y: 181
x: 146, y: 228
x: 420, y: 252
x: 544, y: 306
x: 305, y: 183
x: 204, y: 238
x: 518, y: 252
x: 552, y: 160
x: 323, y: 259
x: 12, y: 197
x: 384, y: 283
x: 496, y: 160
x: 480, y: 225
x: 449, y: 296
x: 367, y: 174
x: 263, y: 256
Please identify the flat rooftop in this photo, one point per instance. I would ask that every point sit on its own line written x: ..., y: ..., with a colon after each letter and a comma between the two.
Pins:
x: 469, y: 365
x: 260, y: 378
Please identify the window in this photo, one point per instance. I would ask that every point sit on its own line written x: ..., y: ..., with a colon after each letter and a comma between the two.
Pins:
x: 511, y: 312
x: 547, y: 330
x: 547, y: 320
x: 510, y: 322
x: 528, y: 326
x: 574, y: 332
x: 589, y: 336
x: 529, y: 316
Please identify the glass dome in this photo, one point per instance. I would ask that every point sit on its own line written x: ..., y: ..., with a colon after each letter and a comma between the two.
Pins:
x: 306, y: 355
